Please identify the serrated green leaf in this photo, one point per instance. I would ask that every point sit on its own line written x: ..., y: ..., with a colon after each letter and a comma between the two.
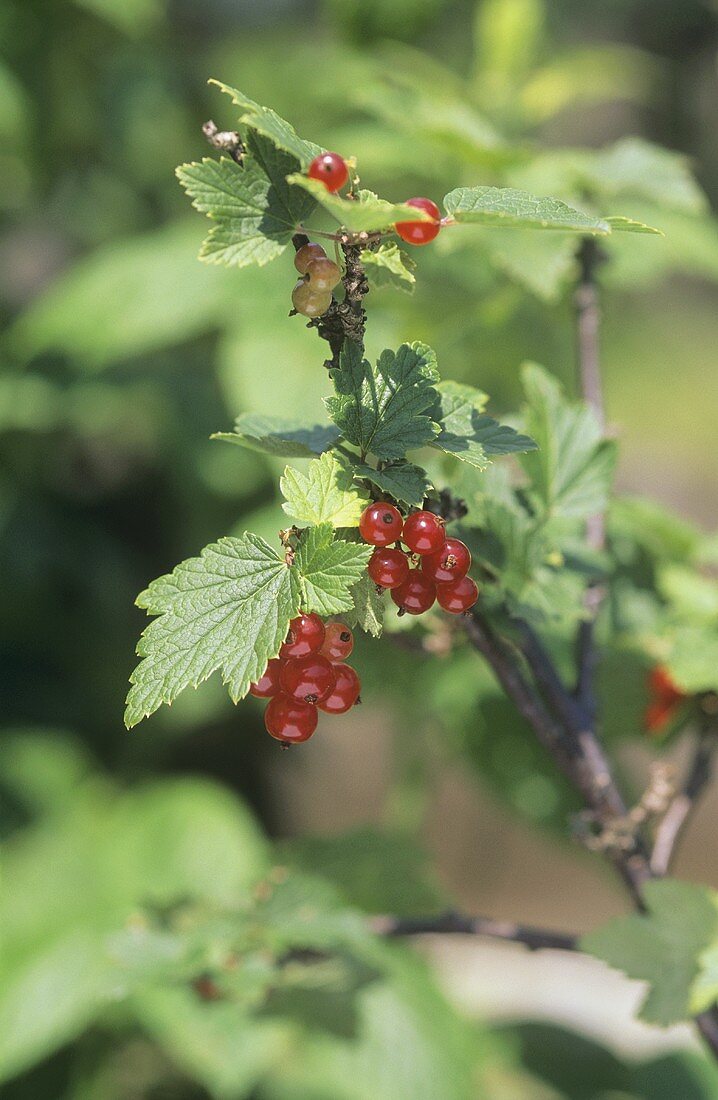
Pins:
x: 364, y: 215
x: 227, y: 609
x: 663, y: 947
x: 507, y: 207
x: 328, y: 569
x: 466, y: 432
x: 255, y: 211
x: 324, y: 494
x: 572, y: 470
x: 389, y: 266
x: 267, y: 122
x: 273, y: 435
x: 367, y: 611
x: 635, y: 166
x: 620, y: 224
x: 404, y: 481
x: 383, y: 410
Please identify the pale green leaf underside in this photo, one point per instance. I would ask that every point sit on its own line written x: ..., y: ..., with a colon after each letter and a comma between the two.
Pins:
x: 227, y: 609
x: 384, y: 410
x: 367, y: 215
x: 389, y: 266
x: 621, y: 224
x: 283, y: 438
x: 404, y: 481
x: 267, y: 122
x: 505, y: 206
x: 368, y: 610
x: 329, y: 569
x: 324, y: 494
x: 467, y: 433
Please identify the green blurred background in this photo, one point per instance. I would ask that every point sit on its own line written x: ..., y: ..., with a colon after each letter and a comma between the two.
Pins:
x: 121, y: 354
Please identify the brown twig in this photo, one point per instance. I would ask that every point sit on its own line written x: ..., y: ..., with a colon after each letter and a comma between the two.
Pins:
x: 536, y: 939
x: 680, y: 808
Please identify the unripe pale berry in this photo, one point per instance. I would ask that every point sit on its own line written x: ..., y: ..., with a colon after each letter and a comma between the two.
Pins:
x: 380, y: 524
x: 331, y: 169
x: 304, y: 256
x: 338, y: 642
x: 345, y: 692
x: 305, y: 635
x: 416, y: 595
x: 420, y: 232
x: 424, y: 533
x: 323, y: 274
x: 310, y: 302
x: 458, y: 596
x: 290, y: 721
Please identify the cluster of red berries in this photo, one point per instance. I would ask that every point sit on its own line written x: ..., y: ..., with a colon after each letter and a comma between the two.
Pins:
x: 666, y: 698
x: 312, y: 295
x: 331, y: 169
x: 309, y: 674
x: 440, y: 563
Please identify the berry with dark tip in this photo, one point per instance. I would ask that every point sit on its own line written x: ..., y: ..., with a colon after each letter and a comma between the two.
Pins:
x: 345, y: 692
x: 331, y: 169
x: 305, y: 635
x: 451, y: 563
x: 338, y: 643
x: 420, y: 232
x: 388, y: 568
x: 458, y: 596
x: 380, y: 524
x: 289, y: 720
x: 309, y: 679
x: 268, y: 683
x: 424, y: 533
x: 415, y: 595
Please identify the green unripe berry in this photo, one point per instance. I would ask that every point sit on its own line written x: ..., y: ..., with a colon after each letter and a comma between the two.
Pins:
x: 323, y: 273
x: 306, y: 254
x: 310, y: 302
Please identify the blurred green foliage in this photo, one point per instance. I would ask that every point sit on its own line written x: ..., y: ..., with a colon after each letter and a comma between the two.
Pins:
x: 122, y: 354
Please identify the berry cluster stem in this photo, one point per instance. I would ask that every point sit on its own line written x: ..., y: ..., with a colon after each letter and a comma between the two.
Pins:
x: 344, y: 320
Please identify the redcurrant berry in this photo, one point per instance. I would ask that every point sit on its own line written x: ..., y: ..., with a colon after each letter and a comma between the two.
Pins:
x: 380, y: 524
x: 420, y: 232
x: 289, y: 720
x: 388, y: 567
x: 657, y: 716
x: 305, y: 636
x: 309, y: 679
x: 424, y: 533
x: 338, y: 642
x: 304, y: 256
x: 268, y: 683
x: 663, y: 687
x: 323, y: 274
x: 451, y: 563
x: 310, y: 302
x: 458, y: 596
x: 416, y: 595
x: 344, y: 693
x: 331, y: 169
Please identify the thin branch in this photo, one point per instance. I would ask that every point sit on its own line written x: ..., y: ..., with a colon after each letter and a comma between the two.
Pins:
x: 676, y: 817
x: 536, y: 939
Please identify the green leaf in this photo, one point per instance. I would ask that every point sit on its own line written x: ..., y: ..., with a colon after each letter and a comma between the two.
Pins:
x: 368, y: 609
x: 467, y: 433
x: 389, y: 266
x: 273, y: 435
x: 267, y: 122
x: 404, y: 481
x: 505, y: 206
x: 664, y: 948
x: 383, y: 410
x: 329, y: 568
x: 324, y: 494
x: 363, y: 215
x: 692, y: 656
x: 227, y: 609
x: 630, y: 225
x: 572, y: 470
x: 254, y: 210
x: 542, y: 262
x: 636, y: 167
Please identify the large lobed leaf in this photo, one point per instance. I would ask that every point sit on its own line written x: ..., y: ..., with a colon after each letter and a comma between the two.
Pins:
x: 273, y: 435
x: 466, y: 432
x: 324, y: 494
x: 263, y: 120
x: 329, y: 569
x: 508, y: 207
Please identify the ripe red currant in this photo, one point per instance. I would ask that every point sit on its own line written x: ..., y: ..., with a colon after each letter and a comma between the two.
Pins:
x: 305, y: 636
x: 380, y: 524
x: 663, y: 687
x: 338, y: 642
x: 416, y: 595
x: 268, y: 683
x: 388, y: 567
x: 451, y: 563
x: 323, y: 274
x: 331, y: 169
x: 424, y: 533
x: 289, y: 720
x: 345, y: 692
x: 309, y: 679
x: 458, y: 596
x: 308, y: 252
x: 309, y: 301
x: 420, y: 232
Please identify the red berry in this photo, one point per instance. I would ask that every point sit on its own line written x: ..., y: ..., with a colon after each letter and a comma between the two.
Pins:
x: 416, y: 595
x: 663, y: 687
x: 345, y: 693
x: 450, y: 564
x: 331, y: 169
x: 458, y: 596
x: 380, y: 524
x: 289, y: 720
x: 308, y: 252
x: 420, y: 232
x: 309, y: 679
x: 388, y: 567
x: 338, y: 642
x: 305, y: 636
x: 657, y: 716
x: 268, y: 683
x: 424, y: 533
